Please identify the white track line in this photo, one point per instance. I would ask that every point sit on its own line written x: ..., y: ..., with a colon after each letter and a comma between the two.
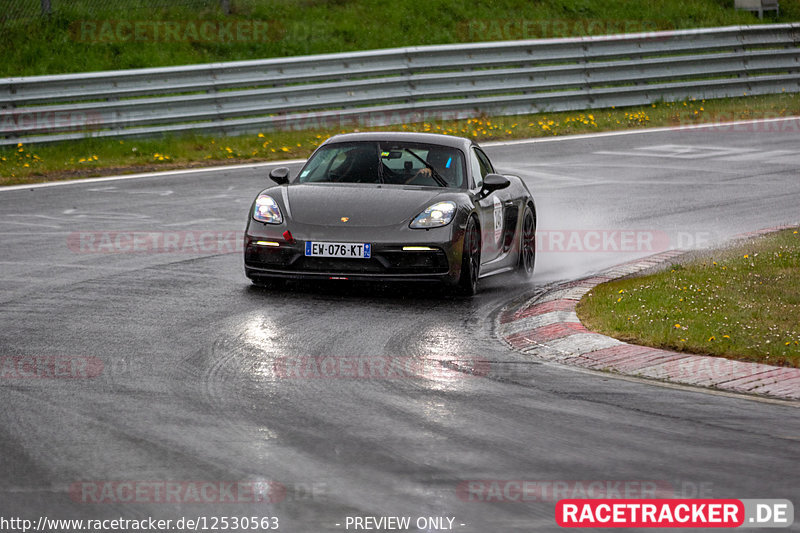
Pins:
x: 640, y: 131
x: 165, y: 173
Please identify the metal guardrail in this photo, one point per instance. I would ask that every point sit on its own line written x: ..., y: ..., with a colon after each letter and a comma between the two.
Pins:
x: 395, y: 86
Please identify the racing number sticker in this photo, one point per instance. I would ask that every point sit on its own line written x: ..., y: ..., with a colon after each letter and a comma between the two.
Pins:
x: 498, y: 220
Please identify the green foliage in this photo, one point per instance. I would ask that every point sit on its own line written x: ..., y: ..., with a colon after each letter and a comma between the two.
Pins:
x: 740, y: 303
x: 36, y: 46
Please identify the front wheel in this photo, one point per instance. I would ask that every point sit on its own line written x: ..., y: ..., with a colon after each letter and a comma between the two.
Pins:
x: 470, y: 259
x: 527, y: 244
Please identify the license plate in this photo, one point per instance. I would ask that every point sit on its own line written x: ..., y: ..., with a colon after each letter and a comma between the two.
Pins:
x: 347, y: 250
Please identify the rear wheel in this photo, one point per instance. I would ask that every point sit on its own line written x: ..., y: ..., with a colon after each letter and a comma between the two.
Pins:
x: 527, y: 246
x: 470, y: 259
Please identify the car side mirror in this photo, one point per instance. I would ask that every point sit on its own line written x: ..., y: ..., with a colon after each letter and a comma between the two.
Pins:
x: 493, y: 182
x: 279, y: 175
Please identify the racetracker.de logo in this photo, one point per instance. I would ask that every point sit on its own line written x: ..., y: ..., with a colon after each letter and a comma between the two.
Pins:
x: 650, y: 513
x: 155, y: 242
x: 169, y: 492
x: 50, y: 367
x: 378, y: 367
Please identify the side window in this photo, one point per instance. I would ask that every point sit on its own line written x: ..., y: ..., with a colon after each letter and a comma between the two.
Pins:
x: 475, y: 166
x: 486, y: 165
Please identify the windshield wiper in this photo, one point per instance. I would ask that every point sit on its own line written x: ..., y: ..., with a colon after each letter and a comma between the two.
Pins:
x: 438, y: 178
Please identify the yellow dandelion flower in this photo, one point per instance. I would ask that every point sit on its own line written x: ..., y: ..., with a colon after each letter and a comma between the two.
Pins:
x: 711, y: 338
x: 677, y: 326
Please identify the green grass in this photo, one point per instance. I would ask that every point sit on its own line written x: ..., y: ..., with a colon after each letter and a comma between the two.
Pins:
x: 95, y: 157
x: 298, y: 27
x: 740, y: 303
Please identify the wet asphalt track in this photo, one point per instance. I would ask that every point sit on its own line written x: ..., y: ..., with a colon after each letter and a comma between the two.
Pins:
x: 188, y: 390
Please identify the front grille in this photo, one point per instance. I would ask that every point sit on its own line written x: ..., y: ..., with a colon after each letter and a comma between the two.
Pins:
x: 433, y: 262
x: 335, y: 264
x: 267, y: 257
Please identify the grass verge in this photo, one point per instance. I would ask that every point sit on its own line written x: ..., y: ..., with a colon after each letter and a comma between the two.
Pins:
x: 742, y: 303
x: 86, y: 35
x: 95, y: 157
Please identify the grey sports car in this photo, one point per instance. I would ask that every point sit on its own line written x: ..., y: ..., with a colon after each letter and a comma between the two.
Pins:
x: 392, y: 206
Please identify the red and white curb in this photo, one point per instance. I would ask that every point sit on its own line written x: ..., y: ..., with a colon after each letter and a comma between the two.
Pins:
x: 548, y: 327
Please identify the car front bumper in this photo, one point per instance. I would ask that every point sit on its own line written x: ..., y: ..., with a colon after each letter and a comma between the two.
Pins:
x: 396, y: 257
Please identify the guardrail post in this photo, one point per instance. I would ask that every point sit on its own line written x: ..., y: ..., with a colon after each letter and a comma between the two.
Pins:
x: 46, y: 8
x: 224, y: 4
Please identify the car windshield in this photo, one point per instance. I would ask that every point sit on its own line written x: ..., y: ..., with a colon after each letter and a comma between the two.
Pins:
x: 386, y: 162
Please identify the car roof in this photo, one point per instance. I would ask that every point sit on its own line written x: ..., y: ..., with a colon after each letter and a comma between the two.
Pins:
x: 404, y: 136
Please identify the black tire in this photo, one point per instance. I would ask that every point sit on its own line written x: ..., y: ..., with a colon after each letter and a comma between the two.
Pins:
x: 470, y: 259
x: 527, y: 244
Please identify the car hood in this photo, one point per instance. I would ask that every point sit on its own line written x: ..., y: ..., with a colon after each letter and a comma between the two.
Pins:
x: 362, y: 205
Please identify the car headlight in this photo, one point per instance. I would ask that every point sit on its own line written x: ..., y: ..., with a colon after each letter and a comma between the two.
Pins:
x: 435, y: 216
x: 267, y: 210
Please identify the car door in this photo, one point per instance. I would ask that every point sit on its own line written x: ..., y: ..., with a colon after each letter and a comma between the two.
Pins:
x: 491, y: 208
